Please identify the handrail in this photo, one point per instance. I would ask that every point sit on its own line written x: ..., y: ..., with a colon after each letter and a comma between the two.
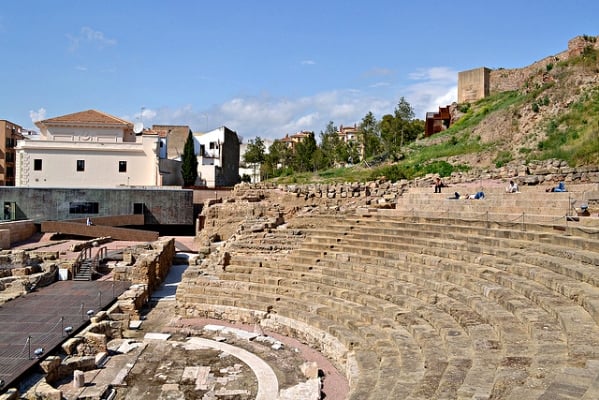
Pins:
x: 86, y: 255
x: 100, y: 256
x: 81, y: 257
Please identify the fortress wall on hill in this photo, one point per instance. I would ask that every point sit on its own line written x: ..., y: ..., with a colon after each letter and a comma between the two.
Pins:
x: 478, y: 83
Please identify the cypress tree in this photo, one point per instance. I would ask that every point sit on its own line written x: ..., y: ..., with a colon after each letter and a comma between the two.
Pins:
x: 189, y: 167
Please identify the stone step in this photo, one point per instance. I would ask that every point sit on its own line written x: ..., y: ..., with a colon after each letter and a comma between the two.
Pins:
x: 460, y: 352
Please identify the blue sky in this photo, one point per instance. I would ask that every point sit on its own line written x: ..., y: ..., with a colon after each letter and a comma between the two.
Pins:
x: 264, y: 68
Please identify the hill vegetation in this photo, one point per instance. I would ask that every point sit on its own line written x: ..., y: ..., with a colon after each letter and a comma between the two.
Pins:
x: 554, y: 115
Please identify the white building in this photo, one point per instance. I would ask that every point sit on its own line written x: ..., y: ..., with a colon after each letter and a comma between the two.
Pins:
x: 218, y: 157
x: 88, y: 149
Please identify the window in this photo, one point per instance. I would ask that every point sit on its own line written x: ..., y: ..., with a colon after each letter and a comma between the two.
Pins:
x: 80, y: 165
x: 37, y: 164
x: 83, y: 207
x: 122, y: 166
x: 10, y: 172
x: 10, y: 157
x: 138, y: 208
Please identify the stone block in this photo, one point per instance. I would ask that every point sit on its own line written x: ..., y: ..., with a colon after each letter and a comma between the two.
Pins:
x: 70, y: 345
x: 44, y: 391
x: 101, y: 358
x: 310, y: 369
x: 50, y: 363
x: 78, y: 379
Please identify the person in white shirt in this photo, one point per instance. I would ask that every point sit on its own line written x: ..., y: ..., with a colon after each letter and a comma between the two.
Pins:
x: 512, y: 187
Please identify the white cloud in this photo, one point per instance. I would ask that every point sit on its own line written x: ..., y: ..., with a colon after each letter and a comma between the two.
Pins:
x: 308, y: 62
x: 89, y: 36
x: 434, y: 87
x: 38, y: 115
x: 380, y: 84
x: 81, y: 68
x: 273, y: 117
x: 434, y: 74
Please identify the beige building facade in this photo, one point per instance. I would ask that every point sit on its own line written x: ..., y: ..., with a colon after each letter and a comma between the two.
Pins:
x: 88, y: 149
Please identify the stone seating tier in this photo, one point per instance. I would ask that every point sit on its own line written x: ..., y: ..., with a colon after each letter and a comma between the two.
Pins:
x: 429, y: 311
x: 534, y: 203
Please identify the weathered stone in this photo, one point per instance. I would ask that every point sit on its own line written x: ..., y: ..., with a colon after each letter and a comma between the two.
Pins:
x: 78, y: 379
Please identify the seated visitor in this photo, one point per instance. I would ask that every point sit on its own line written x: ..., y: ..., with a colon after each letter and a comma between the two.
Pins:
x: 512, y: 187
x: 561, y: 187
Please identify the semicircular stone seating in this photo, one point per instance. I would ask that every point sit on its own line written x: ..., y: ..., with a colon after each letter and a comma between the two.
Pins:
x: 423, y: 306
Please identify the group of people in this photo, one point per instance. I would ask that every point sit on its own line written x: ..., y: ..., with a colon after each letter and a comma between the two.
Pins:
x: 512, y: 187
x: 475, y: 196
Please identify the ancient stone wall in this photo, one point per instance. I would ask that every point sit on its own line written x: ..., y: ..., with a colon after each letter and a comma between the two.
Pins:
x: 382, y: 193
x: 146, y: 264
x: 478, y: 83
x: 18, y: 231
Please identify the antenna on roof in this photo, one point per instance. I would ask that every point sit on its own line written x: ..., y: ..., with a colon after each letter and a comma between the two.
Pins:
x: 138, y: 127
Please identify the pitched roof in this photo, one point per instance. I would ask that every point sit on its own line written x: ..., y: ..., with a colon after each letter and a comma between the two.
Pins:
x: 89, y: 117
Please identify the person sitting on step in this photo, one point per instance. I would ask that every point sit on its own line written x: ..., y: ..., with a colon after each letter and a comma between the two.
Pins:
x: 561, y: 187
x: 512, y: 187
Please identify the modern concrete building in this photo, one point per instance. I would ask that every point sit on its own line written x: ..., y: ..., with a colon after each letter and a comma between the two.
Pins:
x: 88, y: 149
x: 160, y: 206
x: 10, y: 133
x: 218, y: 157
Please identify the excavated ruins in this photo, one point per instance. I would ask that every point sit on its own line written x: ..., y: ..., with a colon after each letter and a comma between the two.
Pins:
x: 357, y: 291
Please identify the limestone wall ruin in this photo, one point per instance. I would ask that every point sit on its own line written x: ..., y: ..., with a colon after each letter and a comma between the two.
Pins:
x: 146, y: 264
x: 478, y: 83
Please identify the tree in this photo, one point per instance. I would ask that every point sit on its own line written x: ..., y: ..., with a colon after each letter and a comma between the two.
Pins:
x: 255, y: 153
x: 330, y: 147
x: 277, y: 159
x: 369, y: 130
x: 404, y: 115
x: 189, y: 166
x: 303, y: 154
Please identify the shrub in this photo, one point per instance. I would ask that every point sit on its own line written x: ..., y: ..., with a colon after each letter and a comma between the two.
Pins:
x: 503, y: 158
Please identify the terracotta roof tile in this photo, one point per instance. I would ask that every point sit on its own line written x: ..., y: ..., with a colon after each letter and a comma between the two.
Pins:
x: 86, y: 117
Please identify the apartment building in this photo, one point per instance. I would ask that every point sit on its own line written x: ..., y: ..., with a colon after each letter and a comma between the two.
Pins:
x: 10, y: 134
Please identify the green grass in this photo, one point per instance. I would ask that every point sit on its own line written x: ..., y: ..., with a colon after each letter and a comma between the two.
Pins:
x: 574, y: 135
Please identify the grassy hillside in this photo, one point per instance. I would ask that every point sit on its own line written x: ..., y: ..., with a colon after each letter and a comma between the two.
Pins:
x: 555, y: 115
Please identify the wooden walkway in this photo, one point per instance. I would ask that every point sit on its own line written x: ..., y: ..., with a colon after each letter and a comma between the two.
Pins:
x: 38, y: 319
